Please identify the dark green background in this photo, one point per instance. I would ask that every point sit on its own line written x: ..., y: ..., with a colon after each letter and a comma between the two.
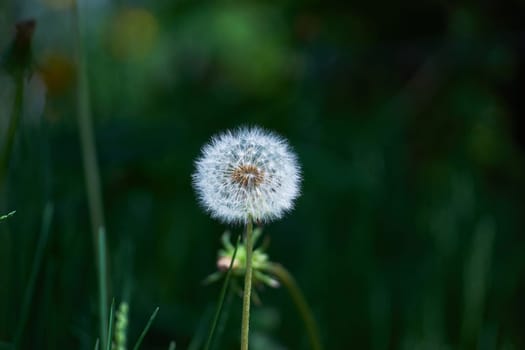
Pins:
x: 407, y: 120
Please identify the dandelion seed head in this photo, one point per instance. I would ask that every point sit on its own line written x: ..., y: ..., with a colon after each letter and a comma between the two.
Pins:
x: 249, y: 172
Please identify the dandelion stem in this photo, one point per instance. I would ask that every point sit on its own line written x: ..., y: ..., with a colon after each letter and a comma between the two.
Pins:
x: 247, y: 286
x: 300, y: 302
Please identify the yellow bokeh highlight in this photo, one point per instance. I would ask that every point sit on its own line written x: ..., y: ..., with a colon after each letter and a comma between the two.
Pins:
x: 133, y: 33
x: 58, y: 72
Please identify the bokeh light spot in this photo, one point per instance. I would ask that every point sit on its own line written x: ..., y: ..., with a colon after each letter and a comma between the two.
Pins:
x: 133, y: 33
x: 58, y: 73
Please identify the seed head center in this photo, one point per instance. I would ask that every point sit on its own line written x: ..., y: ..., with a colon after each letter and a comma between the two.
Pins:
x: 247, y: 175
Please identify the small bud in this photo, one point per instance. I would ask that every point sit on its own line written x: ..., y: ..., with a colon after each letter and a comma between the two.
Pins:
x: 223, y: 263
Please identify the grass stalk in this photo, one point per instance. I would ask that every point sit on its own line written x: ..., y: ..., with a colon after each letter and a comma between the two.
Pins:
x: 110, y: 326
x: 87, y: 139
x: 91, y: 173
x: 222, y: 297
x: 37, y: 262
x: 300, y: 302
x: 102, y: 285
x: 145, y: 330
x: 245, y: 327
x: 198, y: 338
x: 224, y: 318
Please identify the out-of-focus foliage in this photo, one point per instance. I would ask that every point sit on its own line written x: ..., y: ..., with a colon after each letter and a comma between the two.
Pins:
x: 407, y: 119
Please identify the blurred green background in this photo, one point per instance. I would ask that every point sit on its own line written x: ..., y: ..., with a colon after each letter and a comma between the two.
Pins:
x: 407, y: 120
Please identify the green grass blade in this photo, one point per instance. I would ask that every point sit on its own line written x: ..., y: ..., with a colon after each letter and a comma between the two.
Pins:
x: 110, y: 327
x: 198, y: 338
x: 97, y: 344
x: 145, y: 330
x: 287, y: 280
x: 37, y: 262
x: 102, y: 284
x: 172, y: 346
x: 221, y: 297
x: 225, y: 315
x: 86, y: 132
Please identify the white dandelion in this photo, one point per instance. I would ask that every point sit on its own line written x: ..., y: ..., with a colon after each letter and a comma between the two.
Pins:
x: 247, y: 174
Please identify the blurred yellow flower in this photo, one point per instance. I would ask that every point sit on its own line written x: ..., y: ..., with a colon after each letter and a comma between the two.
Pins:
x: 58, y: 72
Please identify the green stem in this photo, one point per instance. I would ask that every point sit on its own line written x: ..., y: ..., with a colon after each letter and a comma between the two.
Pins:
x: 145, y: 330
x: 245, y: 329
x: 13, y: 125
x: 102, y: 287
x: 87, y: 138
x: 91, y: 174
x: 221, y: 297
x: 300, y: 302
x: 110, y: 326
x: 224, y: 318
x: 37, y: 263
